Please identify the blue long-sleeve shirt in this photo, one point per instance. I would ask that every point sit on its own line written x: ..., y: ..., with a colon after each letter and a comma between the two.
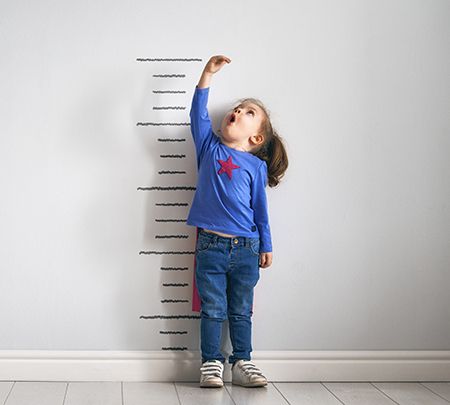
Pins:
x: 230, y: 196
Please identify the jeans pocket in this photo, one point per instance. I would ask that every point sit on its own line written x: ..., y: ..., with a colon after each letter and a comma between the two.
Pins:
x: 254, y: 246
x: 203, y: 244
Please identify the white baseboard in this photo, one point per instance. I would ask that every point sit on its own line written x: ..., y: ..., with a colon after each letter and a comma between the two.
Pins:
x: 277, y: 366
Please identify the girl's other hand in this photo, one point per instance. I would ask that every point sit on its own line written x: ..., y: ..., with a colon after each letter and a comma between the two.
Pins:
x: 265, y: 259
x: 215, y: 63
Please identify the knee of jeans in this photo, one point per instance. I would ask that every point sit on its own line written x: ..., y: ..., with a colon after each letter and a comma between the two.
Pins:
x: 214, y: 313
x: 241, y: 307
x: 240, y: 316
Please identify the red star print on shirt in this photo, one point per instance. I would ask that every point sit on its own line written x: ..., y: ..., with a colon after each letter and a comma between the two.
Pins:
x: 227, y: 166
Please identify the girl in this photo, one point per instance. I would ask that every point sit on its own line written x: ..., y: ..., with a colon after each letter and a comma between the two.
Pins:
x: 230, y: 212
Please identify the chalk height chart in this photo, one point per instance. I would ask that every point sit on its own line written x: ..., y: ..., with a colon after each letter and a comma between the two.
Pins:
x: 180, y: 196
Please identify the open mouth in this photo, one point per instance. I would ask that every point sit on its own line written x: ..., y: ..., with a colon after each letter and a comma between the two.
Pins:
x: 232, y: 119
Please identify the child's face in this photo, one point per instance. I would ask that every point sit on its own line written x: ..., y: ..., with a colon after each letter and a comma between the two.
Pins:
x: 242, y: 124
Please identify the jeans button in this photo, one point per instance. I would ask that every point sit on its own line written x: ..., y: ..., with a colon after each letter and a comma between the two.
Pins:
x: 236, y: 241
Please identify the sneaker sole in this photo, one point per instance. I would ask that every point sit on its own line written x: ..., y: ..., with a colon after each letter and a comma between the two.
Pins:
x: 211, y: 384
x: 252, y: 384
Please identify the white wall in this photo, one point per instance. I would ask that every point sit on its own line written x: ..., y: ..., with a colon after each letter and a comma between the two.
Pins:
x: 359, y: 90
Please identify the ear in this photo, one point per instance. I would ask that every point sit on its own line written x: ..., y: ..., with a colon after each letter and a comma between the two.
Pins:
x: 257, y: 139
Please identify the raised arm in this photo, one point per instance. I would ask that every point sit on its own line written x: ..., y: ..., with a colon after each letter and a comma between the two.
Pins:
x: 201, y: 128
x: 205, y: 79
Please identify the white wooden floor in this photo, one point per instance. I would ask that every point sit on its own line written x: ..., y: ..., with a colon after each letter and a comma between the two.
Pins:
x: 181, y: 393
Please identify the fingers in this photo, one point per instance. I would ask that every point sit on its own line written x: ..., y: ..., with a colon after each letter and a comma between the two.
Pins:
x: 262, y: 260
x: 265, y: 260
x: 223, y: 58
x: 220, y: 60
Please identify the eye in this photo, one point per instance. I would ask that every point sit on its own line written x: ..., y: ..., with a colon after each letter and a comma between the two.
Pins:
x: 252, y: 112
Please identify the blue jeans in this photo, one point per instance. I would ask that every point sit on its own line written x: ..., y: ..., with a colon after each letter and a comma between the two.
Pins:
x: 227, y: 270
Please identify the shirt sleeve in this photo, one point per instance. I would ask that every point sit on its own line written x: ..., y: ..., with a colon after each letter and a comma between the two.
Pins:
x: 260, y: 209
x: 201, y: 128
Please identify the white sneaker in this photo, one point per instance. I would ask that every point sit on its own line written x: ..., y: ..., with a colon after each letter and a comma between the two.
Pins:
x: 212, y: 374
x: 245, y: 373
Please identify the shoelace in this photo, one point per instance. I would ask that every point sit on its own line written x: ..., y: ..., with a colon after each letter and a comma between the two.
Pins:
x: 211, y: 368
x: 250, y: 368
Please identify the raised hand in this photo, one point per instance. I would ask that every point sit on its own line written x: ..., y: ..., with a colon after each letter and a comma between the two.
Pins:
x: 215, y: 63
